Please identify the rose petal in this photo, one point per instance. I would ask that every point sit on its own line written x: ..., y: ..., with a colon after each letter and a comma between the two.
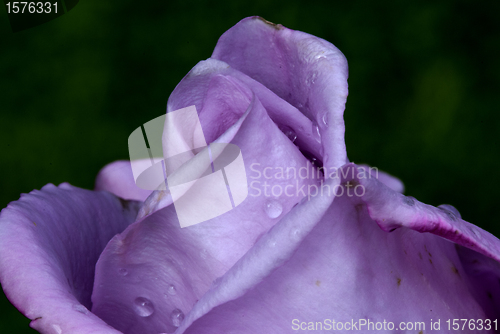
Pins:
x: 192, y: 257
x: 117, y: 178
x: 484, y: 275
x: 270, y: 252
x: 391, y: 210
x: 193, y: 88
x: 49, y: 243
x: 214, y: 94
x: 308, y: 72
x: 391, y: 181
x: 221, y: 94
x: 348, y: 268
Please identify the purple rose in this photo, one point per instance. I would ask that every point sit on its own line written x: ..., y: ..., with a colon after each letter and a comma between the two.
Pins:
x: 338, y: 249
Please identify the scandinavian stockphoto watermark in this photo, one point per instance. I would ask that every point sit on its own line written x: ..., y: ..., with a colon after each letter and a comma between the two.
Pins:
x: 365, y: 325
x: 170, y: 153
x: 307, y: 181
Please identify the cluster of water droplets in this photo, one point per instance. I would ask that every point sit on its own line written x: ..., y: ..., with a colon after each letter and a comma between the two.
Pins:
x: 143, y: 307
x: 311, y: 78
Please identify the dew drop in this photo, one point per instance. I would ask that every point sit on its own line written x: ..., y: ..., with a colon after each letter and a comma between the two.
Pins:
x: 311, y: 78
x: 291, y: 135
x: 408, y: 200
x: 177, y: 317
x: 57, y: 328
x: 80, y: 308
x: 476, y: 232
x: 295, y: 234
x: 171, y: 290
x: 450, y: 208
x: 324, y: 119
x: 273, y: 209
x: 217, y: 281
x: 143, y: 307
x: 123, y: 271
x: 315, y: 132
x: 289, y: 132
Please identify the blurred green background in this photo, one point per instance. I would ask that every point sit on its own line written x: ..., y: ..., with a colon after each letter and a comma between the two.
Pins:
x: 424, y: 83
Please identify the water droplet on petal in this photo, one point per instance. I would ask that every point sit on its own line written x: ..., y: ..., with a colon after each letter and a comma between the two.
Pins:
x: 80, y: 308
x: 409, y: 200
x: 476, y: 232
x: 311, y: 78
x: 324, y: 119
x: 289, y: 132
x: 123, y: 271
x: 273, y: 209
x: 450, y: 208
x: 177, y: 317
x: 295, y: 234
x: 143, y: 307
x: 315, y: 132
x: 57, y: 328
x: 291, y: 135
x: 171, y: 290
x: 217, y: 281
